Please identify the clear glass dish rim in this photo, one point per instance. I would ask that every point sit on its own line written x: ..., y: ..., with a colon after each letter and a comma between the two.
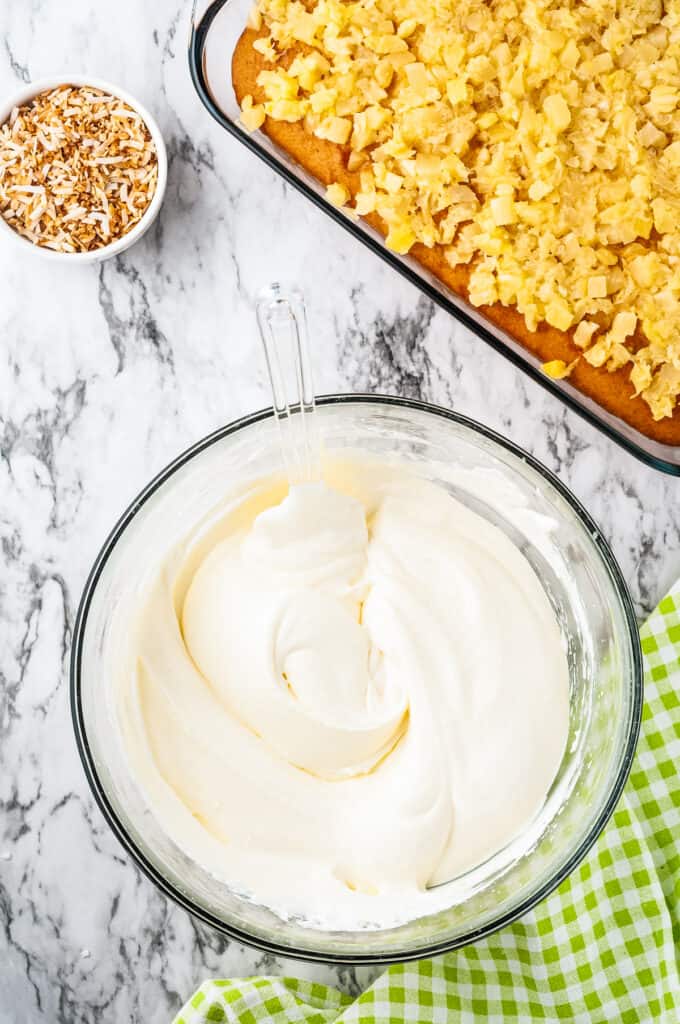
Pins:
x: 197, y: 39
x: 281, y: 948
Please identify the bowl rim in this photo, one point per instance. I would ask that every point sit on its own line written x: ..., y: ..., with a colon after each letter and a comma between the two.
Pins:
x: 281, y: 948
x: 29, y: 91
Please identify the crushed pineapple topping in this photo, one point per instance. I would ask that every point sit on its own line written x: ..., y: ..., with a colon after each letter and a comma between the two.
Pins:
x: 537, y: 141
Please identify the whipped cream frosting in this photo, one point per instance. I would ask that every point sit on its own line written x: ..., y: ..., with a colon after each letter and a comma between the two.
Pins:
x: 337, y: 696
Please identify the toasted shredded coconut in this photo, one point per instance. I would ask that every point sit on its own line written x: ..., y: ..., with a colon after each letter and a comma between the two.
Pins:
x: 78, y: 169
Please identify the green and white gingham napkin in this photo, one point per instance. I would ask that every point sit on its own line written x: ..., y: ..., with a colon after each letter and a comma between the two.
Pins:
x: 604, y: 947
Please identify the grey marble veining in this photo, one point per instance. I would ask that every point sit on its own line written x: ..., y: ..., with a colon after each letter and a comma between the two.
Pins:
x: 105, y: 374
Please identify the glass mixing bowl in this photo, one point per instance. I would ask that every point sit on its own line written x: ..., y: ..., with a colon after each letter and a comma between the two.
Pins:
x: 583, y: 584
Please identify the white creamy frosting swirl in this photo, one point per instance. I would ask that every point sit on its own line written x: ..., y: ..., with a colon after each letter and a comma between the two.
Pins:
x: 284, y: 601
x: 346, y: 694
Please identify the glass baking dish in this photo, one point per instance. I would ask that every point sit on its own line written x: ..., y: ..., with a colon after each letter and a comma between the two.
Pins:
x: 215, y: 30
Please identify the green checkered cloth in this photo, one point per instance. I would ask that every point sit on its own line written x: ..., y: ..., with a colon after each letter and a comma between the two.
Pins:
x: 604, y: 947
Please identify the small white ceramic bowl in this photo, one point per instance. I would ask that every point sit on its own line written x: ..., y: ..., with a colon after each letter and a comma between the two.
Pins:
x: 105, y: 252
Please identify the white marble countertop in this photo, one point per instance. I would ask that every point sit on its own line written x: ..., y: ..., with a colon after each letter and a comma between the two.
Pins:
x: 105, y: 374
